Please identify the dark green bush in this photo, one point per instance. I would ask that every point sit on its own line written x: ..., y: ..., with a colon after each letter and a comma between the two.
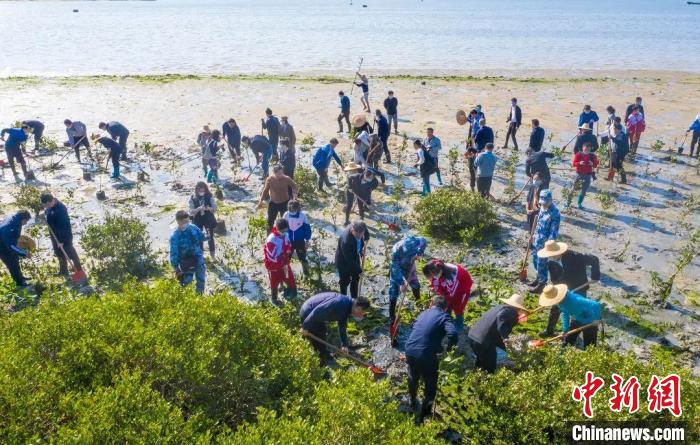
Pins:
x: 351, y: 409
x: 531, y: 404
x: 118, y: 248
x: 306, y: 181
x: 456, y: 215
x: 214, y: 358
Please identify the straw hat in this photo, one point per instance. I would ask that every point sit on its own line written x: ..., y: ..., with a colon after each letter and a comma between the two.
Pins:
x: 585, y: 127
x: 553, y: 294
x: 552, y: 248
x: 359, y: 120
x: 461, y: 117
x: 352, y: 167
x: 515, y: 300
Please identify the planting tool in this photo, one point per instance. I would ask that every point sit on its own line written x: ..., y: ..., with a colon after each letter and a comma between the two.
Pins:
x: 376, y: 370
x: 252, y: 171
x: 78, y: 276
x: 522, y: 275
x: 539, y: 343
x: 524, y: 318
x: 520, y: 192
x: 57, y: 163
x: 362, y: 267
x: 681, y: 148
x: 567, y: 144
x: 358, y: 70
x: 394, y: 327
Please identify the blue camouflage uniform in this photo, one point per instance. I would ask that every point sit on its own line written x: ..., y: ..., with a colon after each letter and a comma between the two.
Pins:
x: 547, y: 228
x: 403, y: 267
x: 188, y: 243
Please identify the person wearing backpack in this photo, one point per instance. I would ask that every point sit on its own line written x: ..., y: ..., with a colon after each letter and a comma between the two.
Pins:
x: 202, y: 208
x: 620, y: 149
x: 426, y: 164
x: 322, y: 160
x: 186, y: 256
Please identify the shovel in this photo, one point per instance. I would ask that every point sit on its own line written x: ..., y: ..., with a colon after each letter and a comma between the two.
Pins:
x: 539, y: 343
x: 78, y: 276
x: 567, y: 144
x: 522, y: 275
x: 524, y: 318
x: 681, y: 148
x: 520, y: 192
x: 394, y: 328
x: 376, y: 370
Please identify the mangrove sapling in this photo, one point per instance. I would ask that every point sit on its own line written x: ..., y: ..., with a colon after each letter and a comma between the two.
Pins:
x: 232, y: 261
x: 657, y: 145
x: 607, y: 203
x: 453, y: 157
x: 257, y: 231
x: 27, y: 196
x: 306, y: 181
x: 622, y: 254
x: 307, y: 143
x: 401, y: 152
x: 662, y: 288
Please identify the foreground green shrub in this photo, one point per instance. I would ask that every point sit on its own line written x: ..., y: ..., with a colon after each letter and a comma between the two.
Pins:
x: 531, y: 405
x: 307, y: 182
x: 138, y: 360
x: 28, y: 197
x: 117, y: 249
x: 351, y: 409
x: 456, y: 215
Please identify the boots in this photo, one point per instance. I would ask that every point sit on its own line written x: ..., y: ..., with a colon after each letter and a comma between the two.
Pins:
x: 115, y: 172
x: 536, y: 288
x: 274, y: 293
x: 623, y: 176
x: 290, y: 293
x: 305, y: 268
x: 439, y: 177
x: 580, y: 201
x: 416, y: 294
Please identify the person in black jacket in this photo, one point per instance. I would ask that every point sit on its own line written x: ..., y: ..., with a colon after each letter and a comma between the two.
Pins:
x: 586, y: 136
x: 114, y: 153
x: 287, y: 157
x: 10, y: 252
x: 536, y: 162
x: 493, y: 328
x: 422, y: 349
x: 570, y: 268
x: 348, y: 256
x: 202, y: 208
x: 61, y: 233
x: 37, y: 128
x: 621, y: 147
x: 391, y: 105
x: 359, y: 191
x: 514, y: 119
x: 637, y: 104
x: 537, y: 136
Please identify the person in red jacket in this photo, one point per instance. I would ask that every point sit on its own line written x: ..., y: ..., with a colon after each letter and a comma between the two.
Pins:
x: 635, y: 127
x: 453, y: 282
x: 585, y: 163
x: 278, y: 255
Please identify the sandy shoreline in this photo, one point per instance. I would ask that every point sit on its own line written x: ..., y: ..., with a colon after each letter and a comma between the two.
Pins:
x: 169, y: 110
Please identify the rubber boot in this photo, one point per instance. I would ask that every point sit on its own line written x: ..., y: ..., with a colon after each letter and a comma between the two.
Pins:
x: 209, y: 176
x: 392, y: 311
x: 305, y: 268
x: 623, y: 176
x: 115, y: 172
x: 274, y: 298
x: 416, y: 294
x: 290, y: 293
x: 439, y: 177
x: 580, y: 202
x: 426, y: 411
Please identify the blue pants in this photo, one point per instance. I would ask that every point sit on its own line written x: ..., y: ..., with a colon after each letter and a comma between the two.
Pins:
x: 411, y: 279
x: 266, y: 161
x: 115, y: 163
x: 199, y: 273
x: 540, y: 265
x: 426, y: 185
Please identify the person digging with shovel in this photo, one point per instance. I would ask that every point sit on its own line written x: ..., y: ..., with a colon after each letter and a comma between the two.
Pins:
x: 114, y: 153
x: 186, y: 256
x: 61, y: 235
x: 77, y: 137
x: 10, y: 251
x: 37, y: 128
x: 326, y: 307
x: 359, y: 190
x: 262, y: 149
x: 423, y: 347
x: 278, y: 256
x: 402, y: 273
x: 493, y: 328
x: 17, y: 136
x: 322, y: 160
x: 576, y: 311
x: 695, y: 128
x: 348, y: 256
x: 546, y: 228
x: 117, y: 132
x: 567, y: 267
x: 454, y: 283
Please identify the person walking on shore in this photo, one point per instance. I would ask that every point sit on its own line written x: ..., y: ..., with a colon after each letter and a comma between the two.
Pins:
x: 483, y: 136
x: 37, y: 129
x: 474, y: 120
x: 536, y: 164
x: 567, y: 267
x: 344, y: 112
x: 278, y: 256
x: 637, y: 104
x: 279, y: 189
x: 434, y: 146
x: 326, y: 307
x: 547, y: 228
x: 493, y: 328
x: 607, y: 135
x: 114, y: 153
x: 13, y: 150
x: 359, y: 192
x: 426, y: 165
x: 186, y: 256
x: 364, y: 84
x: 485, y: 164
x: 454, y: 283
x: 10, y: 251
x: 585, y: 136
x: 620, y: 149
x: 61, y: 233
x: 117, y: 132
x: 513, y: 120
x: 383, y: 131
x: 232, y: 136
x: 209, y: 157
x: 348, y: 256
x: 262, y: 149
x: 77, y: 137
x: 635, y: 127
x: 322, y: 160
x: 582, y: 310
x: 203, y: 207
x: 422, y: 349
x: 391, y: 105
x: 695, y: 128
x: 402, y: 271
x: 272, y: 125
x: 299, y: 232
x: 588, y: 116
x: 536, y: 136
x: 584, y: 164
